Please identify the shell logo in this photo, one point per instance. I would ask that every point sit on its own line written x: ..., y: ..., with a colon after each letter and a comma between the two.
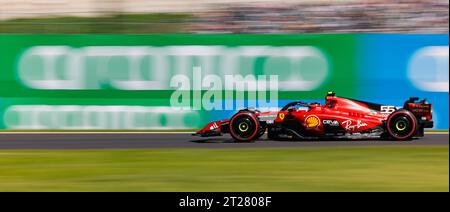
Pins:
x: 312, y: 121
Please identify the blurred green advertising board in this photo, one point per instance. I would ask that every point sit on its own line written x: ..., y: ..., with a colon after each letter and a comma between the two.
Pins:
x: 124, y: 81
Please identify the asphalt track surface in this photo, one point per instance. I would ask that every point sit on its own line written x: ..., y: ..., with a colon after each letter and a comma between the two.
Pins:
x: 177, y: 140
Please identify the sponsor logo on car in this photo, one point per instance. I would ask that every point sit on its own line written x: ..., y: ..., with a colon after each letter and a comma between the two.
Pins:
x: 329, y: 122
x: 312, y: 121
x: 348, y: 125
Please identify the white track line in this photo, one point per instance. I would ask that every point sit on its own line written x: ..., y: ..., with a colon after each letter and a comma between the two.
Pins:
x: 437, y: 133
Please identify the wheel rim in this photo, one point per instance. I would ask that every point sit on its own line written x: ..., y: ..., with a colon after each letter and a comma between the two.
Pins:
x: 401, y: 126
x: 243, y: 127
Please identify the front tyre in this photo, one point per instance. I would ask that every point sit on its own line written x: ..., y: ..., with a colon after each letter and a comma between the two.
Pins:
x: 244, y: 126
x: 401, y: 125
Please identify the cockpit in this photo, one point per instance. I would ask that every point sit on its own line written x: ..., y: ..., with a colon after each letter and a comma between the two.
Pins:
x: 297, y: 106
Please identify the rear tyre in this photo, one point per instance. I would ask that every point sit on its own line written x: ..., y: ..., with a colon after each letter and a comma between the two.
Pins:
x: 401, y: 125
x: 244, y: 127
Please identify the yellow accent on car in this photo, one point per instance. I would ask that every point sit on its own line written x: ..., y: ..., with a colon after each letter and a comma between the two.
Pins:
x: 243, y: 127
x: 312, y: 121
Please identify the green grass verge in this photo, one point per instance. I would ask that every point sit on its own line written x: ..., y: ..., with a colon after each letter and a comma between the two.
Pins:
x: 441, y: 130
x: 418, y: 168
x: 113, y: 23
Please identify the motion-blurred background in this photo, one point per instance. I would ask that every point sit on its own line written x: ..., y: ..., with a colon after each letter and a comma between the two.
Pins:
x: 224, y: 16
x: 107, y: 64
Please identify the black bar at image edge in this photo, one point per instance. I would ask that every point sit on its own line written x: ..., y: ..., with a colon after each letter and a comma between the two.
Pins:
x: 209, y: 201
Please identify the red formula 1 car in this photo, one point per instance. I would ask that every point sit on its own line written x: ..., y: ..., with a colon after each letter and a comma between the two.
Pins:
x: 337, y: 118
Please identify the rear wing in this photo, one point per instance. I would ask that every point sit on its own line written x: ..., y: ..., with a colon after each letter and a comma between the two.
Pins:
x: 421, y: 109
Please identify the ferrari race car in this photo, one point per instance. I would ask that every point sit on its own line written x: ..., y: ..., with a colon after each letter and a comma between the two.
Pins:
x: 338, y: 118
